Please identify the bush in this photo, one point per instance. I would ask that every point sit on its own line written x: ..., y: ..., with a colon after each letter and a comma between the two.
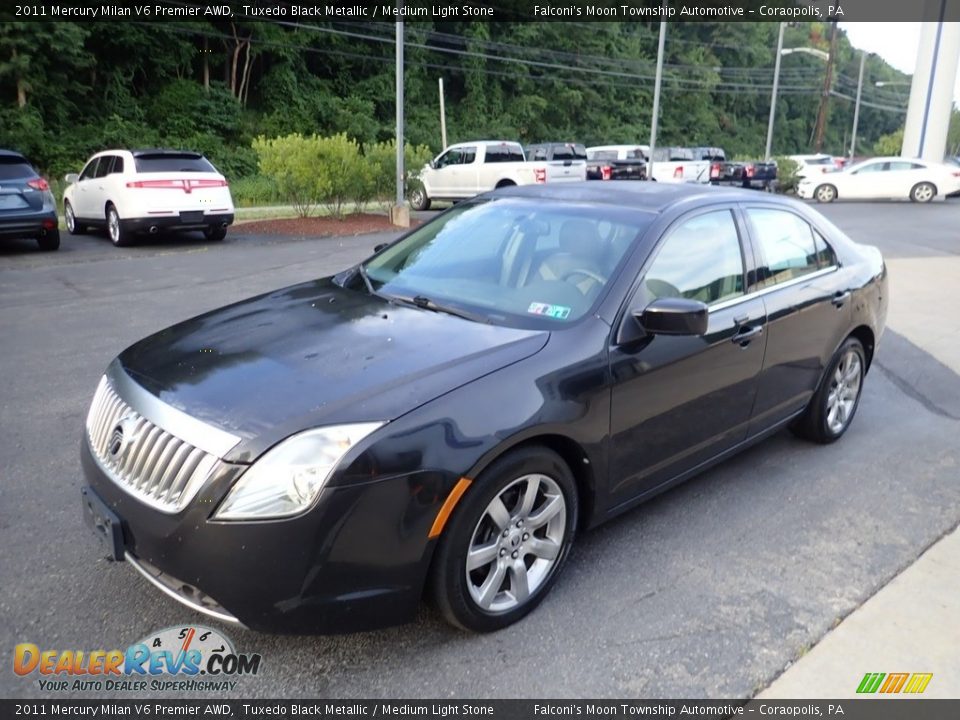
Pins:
x: 294, y: 164
x: 382, y: 162
x: 891, y: 144
x: 255, y: 190
x: 786, y: 174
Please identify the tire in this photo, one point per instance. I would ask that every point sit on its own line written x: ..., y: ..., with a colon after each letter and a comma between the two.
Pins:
x: 923, y: 192
x: 419, y: 199
x: 483, y: 599
x: 215, y: 233
x: 118, y: 236
x: 825, y: 193
x: 50, y: 241
x: 73, y: 227
x: 838, y: 389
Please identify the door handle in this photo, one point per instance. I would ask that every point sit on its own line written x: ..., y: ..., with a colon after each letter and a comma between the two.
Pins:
x: 746, y: 334
x: 840, y: 298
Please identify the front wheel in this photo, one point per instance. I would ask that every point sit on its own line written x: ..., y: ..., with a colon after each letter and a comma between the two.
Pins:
x: 833, y: 406
x: 73, y: 227
x: 118, y: 236
x: 825, y: 193
x: 419, y: 200
x: 923, y: 192
x: 507, y: 541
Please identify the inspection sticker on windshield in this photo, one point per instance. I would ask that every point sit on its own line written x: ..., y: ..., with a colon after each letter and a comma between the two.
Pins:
x: 557, y: 312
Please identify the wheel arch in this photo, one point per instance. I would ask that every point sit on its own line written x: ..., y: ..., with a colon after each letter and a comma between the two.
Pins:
x: 865, y: 335
x: 505, y: 182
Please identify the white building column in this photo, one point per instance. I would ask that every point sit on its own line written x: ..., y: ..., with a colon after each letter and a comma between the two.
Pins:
x: 931, y: 93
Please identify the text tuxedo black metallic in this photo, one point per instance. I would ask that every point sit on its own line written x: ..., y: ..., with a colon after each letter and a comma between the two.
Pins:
x: 444, y: 417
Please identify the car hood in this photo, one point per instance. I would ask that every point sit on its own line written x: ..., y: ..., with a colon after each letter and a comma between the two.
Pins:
x: 315, y: 354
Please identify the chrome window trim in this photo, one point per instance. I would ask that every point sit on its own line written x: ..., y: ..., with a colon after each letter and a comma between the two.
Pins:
x: 773, y: 288
x: 210, y: 439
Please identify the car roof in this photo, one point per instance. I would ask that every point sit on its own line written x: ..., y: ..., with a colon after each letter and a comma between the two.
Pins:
x: 649, y: 196
x: 13, y: 154
x: 164, y: 151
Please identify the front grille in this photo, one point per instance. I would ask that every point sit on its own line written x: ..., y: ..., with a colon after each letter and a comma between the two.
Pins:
x: 144, y: 459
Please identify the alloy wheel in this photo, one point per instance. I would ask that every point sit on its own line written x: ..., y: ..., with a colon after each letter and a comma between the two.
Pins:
x: 113, y: 225
x: 844, y: 391
x: 516, y: 544
x: 70, y: 219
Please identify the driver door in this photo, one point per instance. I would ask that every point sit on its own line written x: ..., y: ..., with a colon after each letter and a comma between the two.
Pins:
x: 83, y: 199
x: 446, y: 173
x: 679, y: 401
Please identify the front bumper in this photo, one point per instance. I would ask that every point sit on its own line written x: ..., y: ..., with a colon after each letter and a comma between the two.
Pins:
x: 805, y: 191
x: 356, y: 561
x: 176, y: 222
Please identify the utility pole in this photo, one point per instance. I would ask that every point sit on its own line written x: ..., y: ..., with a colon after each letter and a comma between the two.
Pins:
x: 400, y: 214
x: 856, y: 107
x: 443, y: 120
x: 773, y: 95
x: 825, y: 97
x: 656, y: 93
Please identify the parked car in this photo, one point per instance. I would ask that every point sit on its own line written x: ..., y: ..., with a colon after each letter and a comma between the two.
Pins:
x: 809, y: 165
x: 27, y: 207
x: 468, y: 169
x: 617, y: 162
x: 884, y: 178
x: 446, y: 416
x: 678, y: 164
x: 564, y: 152
x: 751, y: 175
x: 145, y: 191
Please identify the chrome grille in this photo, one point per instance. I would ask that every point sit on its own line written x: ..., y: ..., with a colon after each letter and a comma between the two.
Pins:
x: 144, y: 459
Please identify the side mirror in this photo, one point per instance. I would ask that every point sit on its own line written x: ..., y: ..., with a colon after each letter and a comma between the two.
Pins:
x: 378, y: 248
x: 71, y: 178
x: 433, y: 164
x: 674, y: 316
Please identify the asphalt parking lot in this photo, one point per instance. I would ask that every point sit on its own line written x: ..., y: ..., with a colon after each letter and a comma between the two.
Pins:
x: 708, y: 591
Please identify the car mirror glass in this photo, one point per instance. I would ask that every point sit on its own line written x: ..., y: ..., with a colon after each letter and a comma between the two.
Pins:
x: 71, y: 178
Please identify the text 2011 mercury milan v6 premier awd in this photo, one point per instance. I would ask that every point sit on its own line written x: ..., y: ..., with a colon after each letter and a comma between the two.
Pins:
x: 443, y: 418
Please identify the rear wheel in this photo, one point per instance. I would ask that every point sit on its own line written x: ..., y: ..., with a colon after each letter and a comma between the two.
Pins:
x: 419, y: 199
x: 215, y: 233
x: 118, y: 236
x: 507, y: 541
x: 50, y: 241
x: 73, y: 227
x: 825, y: 193
x: 923, y: 192
x: 833, y: 406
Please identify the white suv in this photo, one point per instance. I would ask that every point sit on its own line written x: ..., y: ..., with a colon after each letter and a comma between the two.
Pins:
x: 139, y: 191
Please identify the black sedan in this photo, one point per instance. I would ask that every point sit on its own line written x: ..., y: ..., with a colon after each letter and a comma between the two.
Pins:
x: 443, y: 418
x: 27, y: 207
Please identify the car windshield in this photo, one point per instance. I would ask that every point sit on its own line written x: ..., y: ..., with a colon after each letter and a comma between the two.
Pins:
x: 173, y: 162
x: 529, y: 263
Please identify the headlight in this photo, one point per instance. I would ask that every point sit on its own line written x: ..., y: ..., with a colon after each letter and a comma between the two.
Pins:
x: 288, y: 478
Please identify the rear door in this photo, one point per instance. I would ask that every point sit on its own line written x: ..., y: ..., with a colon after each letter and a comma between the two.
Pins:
x: 808, y: 309
x: 678, y: 401
x: 174, y: 183
x: 97, y: 190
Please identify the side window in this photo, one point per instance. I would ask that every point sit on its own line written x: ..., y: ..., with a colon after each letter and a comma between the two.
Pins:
x: 494, y: 154
x: 786, y: 241
x: 539, y: 153
x: 450, y: 157
x: 117, y: 166
x: 468, y: 155
x: 103, y: 169
x: 90, y: 170
x: 700, y: 260
x: 873, y: 167
x: 826, y: 257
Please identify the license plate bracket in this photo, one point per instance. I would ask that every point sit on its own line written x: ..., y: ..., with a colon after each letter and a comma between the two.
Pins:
x: 191, y: 217
x: 104, y: 523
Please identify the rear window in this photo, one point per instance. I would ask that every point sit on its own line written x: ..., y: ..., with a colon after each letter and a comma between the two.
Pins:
x: 172, y: 162
x: 569, y: 152
x: 602, y: 155
x: 14, y: 168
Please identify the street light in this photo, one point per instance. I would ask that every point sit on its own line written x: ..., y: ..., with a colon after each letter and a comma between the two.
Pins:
x: 781, y: 50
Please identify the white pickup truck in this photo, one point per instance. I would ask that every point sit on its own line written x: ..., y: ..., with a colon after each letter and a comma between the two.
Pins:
x: 670, y: 164
x: 467, y: 169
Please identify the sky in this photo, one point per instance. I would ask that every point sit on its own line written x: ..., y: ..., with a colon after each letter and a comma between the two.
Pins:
x: 896, y: 43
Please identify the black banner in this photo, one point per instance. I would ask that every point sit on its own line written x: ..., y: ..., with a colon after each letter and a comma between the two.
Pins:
x: 491, y: 11
x: 872, y: 709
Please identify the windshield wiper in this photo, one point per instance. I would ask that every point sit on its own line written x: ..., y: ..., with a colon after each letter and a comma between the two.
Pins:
x: 366, y: 279
x: 422, y: 301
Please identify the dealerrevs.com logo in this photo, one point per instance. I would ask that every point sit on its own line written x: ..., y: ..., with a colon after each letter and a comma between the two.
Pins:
x: 183, y: 658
